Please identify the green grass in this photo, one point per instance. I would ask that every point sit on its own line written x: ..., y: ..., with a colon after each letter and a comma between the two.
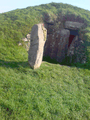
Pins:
x: 52, y: 92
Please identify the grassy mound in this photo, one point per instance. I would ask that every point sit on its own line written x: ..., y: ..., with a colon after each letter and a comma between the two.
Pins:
x: 53, y: 91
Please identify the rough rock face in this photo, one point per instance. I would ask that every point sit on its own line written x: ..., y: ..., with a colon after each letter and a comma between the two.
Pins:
x: 28, y: 37
x: 71, y: 50
x: 76, y: 51
x: 64, y: 41
x: 37, y: 41
x: 73, y: 25
x: 57, y: 45
x: 26, y: 42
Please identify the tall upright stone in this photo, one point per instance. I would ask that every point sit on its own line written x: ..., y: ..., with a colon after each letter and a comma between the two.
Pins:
x: 37, y: 41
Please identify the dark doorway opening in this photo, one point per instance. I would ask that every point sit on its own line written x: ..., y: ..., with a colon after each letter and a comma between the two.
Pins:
x: 71, y: 37
x: 73, y: 33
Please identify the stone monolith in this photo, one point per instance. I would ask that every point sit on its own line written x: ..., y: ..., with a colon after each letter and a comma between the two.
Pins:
x: 37, y: 41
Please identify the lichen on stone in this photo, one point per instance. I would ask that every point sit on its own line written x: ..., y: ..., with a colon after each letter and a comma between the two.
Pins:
x: 44, y: 32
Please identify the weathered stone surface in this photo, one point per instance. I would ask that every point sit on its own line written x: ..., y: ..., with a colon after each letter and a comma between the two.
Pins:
x: 71, y: 49
x: 19, y: 44
x: 76, y: 51
x: 64, y: 40
x: 37, y: 41
x: 63, y: 45
x: 28, y: 37
x: 57, y: 45
x: 25, y: 39
x: 73, y: 25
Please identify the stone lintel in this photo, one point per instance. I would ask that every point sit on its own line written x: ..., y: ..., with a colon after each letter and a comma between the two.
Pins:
x: 73, y: 25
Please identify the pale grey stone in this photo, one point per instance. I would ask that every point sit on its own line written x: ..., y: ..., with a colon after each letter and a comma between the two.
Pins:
x: 73, y: 25
x: 37, y: 41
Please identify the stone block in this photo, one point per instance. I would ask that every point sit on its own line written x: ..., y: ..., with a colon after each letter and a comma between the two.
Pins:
x: 37, y: 41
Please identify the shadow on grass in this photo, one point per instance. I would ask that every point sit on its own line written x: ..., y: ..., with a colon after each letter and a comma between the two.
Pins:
x: 78, y: 65
x: 13, y: 64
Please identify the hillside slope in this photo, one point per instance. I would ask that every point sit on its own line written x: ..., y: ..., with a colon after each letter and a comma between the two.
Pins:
x: 14, y: 25
x: 52, y: 92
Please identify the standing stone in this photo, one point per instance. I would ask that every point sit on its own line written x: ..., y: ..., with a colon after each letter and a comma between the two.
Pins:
x: 37, y: 41
x: 63, y: 45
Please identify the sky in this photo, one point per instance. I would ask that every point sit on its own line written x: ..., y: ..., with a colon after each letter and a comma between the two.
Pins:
x: 8, y: 5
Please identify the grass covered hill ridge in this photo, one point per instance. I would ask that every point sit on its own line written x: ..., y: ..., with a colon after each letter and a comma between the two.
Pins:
x: 14, y: 25
x: 52, y: 92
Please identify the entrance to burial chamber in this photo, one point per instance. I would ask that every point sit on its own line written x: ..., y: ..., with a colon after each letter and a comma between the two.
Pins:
x: 73, y: 34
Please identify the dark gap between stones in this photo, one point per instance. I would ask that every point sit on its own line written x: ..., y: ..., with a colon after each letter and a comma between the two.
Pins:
x: 71, y: 39
x: 73, y: 33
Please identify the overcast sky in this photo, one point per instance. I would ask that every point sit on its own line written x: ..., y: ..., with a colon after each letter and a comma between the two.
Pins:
x: 8, y: 5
